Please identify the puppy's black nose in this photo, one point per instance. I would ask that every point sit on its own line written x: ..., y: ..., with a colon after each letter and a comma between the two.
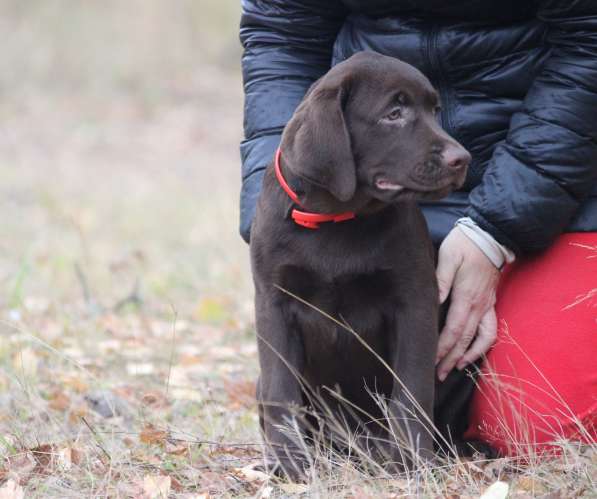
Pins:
x: 455, y: 156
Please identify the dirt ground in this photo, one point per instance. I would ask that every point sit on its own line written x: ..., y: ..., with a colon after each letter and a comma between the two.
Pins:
x: 127, y: 348
x: 127, y: 294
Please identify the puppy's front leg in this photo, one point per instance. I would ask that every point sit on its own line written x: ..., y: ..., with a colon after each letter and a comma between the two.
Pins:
x: 414, y: 350
x: 279, y: 392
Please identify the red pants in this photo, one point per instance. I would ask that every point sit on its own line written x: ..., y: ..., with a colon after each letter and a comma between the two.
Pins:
x: 539, y: 382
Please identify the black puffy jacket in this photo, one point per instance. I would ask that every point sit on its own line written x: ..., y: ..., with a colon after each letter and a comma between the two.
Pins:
x: 517, y: 80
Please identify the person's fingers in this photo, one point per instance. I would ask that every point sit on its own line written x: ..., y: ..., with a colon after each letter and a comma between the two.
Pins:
x: 471, y: 278
x: 447, y: 266
x: 460, y: 347
x: 486, y: 336
x: 456, y: 321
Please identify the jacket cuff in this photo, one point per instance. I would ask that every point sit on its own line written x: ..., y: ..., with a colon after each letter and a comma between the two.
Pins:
x: 496, y: 233
x: 497, y: 253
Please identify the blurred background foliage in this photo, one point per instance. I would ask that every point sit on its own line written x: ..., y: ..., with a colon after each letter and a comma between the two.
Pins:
x: 119, y: 130
x: 114, y: 45
x: 123, y: 275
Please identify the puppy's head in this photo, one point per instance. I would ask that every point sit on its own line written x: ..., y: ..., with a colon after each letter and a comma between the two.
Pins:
x: 371, y: 125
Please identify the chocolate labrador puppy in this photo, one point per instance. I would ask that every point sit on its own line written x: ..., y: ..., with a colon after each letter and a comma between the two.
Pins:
x: 343, y: 266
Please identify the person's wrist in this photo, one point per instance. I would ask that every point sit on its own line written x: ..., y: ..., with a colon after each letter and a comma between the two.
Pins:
x: 497, y: 253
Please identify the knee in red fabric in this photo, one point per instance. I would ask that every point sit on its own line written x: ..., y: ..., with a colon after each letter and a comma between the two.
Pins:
x: 539, y: 383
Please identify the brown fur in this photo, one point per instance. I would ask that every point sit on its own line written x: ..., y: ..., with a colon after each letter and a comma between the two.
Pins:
x: 371, y: 119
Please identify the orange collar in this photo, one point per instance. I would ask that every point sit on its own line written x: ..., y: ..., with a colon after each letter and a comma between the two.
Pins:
x: 305, y: 218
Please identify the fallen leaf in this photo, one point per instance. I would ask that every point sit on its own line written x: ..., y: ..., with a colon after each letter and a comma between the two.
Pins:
x: 240, y: 393
x: 128, y: 441
x: 154, y: 399
x: 26, y: 361
x: 176, y: 450
x: 237, y: 451
x: 78, y: 412
x: 214, y: 482
x: 59, y: 401
x: 152, y: 435
x: 531, y: 485
x: 212, y: 310
x: 156, y: 486
x: 176, y: 485
x: 11, y: 490
x: 189, y: 360
x: 473, y: 469
x: 141, y: 456
x: 64, y: 459
x: 497, y: 490
x: 76, y: 384
x: 294, y: 488
x: 44, y: 456
x: 76, y: 456
x: 250, y: 474
x: 22, y: 464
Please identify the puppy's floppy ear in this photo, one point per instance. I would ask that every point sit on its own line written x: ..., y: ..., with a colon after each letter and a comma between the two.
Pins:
x: 316, y: 142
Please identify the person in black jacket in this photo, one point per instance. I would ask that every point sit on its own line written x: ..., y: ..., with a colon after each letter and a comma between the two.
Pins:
x: 518, y: 85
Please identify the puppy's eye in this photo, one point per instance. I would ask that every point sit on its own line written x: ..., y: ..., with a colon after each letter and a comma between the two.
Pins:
x: 396, y: 114
x: 437, y: 110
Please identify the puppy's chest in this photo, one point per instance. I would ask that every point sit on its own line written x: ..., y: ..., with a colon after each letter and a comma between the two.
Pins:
x: 363, y: 300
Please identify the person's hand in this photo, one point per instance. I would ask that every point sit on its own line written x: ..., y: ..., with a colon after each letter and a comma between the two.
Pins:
x: 463, y: 268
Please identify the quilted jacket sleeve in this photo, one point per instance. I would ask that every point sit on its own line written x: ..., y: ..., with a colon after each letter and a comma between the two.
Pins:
x: 541, y: 173
x: 287, y: 46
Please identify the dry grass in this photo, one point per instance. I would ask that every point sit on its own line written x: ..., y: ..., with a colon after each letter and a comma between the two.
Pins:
x: 127, y: 353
